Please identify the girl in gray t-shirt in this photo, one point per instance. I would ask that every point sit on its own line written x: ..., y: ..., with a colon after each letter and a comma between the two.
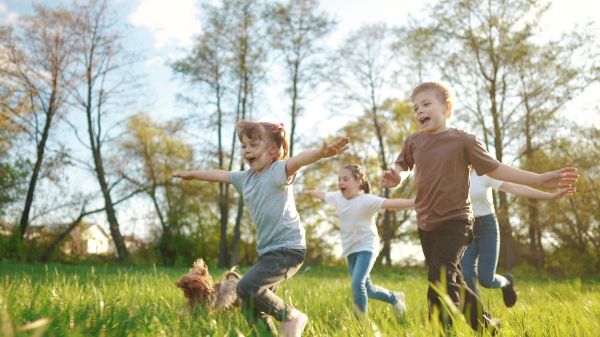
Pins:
x: 267, y: 190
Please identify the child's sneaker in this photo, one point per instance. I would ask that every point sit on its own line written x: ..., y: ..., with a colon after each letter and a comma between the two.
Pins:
x: 509, y: 295
x: 400, y: 305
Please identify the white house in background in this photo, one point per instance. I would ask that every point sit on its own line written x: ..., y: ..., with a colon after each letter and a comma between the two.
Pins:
x: 95, y: 240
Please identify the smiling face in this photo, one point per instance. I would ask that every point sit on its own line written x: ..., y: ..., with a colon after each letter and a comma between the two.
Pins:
x: 348, y: 184
x: 258, y: 153
x: 430, y: 112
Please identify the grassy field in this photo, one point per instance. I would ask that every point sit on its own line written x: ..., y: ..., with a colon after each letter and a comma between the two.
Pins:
x: 81, y: 300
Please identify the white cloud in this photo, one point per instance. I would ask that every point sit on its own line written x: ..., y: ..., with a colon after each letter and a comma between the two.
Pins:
x: 175, y: 21
x: 7, y: 16
x: 11, y: 18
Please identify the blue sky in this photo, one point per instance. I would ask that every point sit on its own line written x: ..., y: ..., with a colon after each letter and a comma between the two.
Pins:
x: 162, y: 31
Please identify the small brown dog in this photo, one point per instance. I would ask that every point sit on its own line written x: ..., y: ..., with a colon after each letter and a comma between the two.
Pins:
x: 199, y: 289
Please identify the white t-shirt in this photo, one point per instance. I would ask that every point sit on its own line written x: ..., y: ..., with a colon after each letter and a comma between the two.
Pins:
x: 358, y: 230
x: 481, y: 193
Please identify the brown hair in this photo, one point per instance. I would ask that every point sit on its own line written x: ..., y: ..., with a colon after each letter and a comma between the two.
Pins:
x: 360, y: 176
x: 274, y: 132
x: 441, y: 91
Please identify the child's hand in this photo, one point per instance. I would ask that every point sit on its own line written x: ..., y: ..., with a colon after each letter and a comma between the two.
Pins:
x: 185, y: 175
x: 332, y: 149
x: 390, y: 178
x: 563, y: 192
x: 565, y: 177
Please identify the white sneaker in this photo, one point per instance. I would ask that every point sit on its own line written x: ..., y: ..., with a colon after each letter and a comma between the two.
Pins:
x: 400, y: 306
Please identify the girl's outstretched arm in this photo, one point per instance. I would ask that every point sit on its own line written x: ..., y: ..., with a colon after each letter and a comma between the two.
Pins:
x: 529, y: 192
x: 398, y: 204
x: 562, y: 178
x: 310, y: 156
x: 220, y: 176
x: 314, y: 193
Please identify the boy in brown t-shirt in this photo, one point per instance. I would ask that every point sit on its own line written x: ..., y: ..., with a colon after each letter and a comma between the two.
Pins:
x: 442, y: 158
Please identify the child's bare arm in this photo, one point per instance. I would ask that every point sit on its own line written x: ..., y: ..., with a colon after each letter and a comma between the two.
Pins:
x: 564, y: 177
x: 314, y: 193
x: 530, y: 192
x: 310, y: 156
x: 220, y: 176
x: 398, y: 204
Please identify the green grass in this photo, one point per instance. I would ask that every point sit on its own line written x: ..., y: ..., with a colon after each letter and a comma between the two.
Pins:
x: 81, y: 300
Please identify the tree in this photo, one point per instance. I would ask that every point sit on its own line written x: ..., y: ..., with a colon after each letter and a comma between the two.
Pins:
x: 228, y: 65
x: 298, y: 31
x: 104, y: 70
x: 39, y: 60
x: 154, y: 151
x: 12, y: 170
x: 206, y: 67
x: 572, y: 229
x: 549, y: 79
x: 362, y: 75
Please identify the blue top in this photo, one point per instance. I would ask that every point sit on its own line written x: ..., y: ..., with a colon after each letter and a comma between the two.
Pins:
x: 270, y: 200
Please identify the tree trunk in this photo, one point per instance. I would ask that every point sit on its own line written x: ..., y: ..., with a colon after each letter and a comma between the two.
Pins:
x: 113, y: 224
x: 535, y: 235
x: 294, y: 111
x: 508, y: 247
x: 48, y: 252
x: 41, y: 147
x: 95, y: 145
x: 235, y: 249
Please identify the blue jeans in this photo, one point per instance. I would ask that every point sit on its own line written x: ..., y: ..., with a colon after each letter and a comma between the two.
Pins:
x: 360, y: 265
x: 481, y: 257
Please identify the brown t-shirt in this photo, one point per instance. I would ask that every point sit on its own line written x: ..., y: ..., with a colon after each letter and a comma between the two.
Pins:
x: 442, y: 163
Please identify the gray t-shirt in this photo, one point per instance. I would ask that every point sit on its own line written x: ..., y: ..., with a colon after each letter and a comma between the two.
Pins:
x: 270, y: 199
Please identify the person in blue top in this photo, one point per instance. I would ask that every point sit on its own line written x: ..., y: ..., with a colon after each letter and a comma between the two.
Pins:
x: 267, y: 189
x: 480, y: 259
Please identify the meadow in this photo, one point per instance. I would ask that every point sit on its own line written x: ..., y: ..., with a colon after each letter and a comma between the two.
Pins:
x: 85, y: 300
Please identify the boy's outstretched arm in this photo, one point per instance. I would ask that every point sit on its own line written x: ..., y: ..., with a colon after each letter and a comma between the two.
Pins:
x: 220, y: 176
x: 314, y: 193
x: 530, y: 192
x: 310, y: 156
x: 398, y: 204
x: 562, y: 178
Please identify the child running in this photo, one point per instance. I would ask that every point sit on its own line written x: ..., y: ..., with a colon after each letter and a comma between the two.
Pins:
x: 481, y: 257
x: 442, y: 158
x: 360, y: 242
x: 267, y: 189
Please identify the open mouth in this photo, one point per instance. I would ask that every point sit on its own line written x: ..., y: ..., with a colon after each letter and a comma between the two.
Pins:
x: 423, y: 120
x: 251, y: 160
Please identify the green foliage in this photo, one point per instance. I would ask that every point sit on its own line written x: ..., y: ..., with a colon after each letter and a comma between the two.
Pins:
x: 87, y: 300
x: 12, y: 176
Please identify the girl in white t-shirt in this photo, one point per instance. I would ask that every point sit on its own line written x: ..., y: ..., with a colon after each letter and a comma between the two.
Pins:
x: 356, y: 209
x: 481, y: 256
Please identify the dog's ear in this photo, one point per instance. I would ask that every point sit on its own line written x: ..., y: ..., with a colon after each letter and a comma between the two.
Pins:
x: 183, y: 282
